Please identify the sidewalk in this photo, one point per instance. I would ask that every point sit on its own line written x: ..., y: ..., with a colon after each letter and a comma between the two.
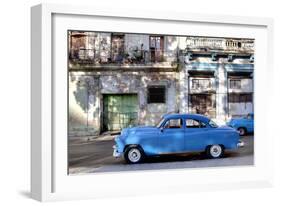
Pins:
x: 106, y: 136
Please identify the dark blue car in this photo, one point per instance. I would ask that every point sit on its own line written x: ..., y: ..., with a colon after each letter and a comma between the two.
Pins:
x: 176, y: 133
x: 243, y: 125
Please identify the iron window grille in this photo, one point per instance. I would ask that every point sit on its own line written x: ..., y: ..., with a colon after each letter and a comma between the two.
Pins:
x: 201, y: 83
x: 240, y: 98
x: 235, y: 84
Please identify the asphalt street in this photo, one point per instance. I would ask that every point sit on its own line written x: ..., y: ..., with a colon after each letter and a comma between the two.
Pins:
x: 95, y: 155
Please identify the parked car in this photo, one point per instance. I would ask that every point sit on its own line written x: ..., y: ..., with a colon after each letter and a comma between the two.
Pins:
x: 243, y: 125
x: 176, y: 133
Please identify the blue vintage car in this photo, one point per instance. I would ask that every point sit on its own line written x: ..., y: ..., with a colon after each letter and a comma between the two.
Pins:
x: 243, y: 125
x: 176, y: 133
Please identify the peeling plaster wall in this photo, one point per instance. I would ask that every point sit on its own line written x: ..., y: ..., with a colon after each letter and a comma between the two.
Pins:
x: 171, y: 46
x: 152, y: 112
x: 221, y: 95
x: 119, y: 83
x: 183, y: 89
x: 85, y: 112
x: 83, y: 105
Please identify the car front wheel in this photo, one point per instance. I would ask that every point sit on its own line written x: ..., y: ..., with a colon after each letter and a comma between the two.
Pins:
x: 133, y: 154
x: 242, y: 131
x: 215, y: 151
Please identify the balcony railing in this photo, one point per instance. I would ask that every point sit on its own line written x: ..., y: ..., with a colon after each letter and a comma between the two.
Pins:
x: 219, y: 44
x: 127, y: 57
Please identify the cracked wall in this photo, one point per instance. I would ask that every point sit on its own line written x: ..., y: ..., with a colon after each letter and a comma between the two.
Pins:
x: 86, y: 98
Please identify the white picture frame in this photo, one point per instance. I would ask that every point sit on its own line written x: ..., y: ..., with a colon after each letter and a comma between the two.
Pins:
x: 49, y: 179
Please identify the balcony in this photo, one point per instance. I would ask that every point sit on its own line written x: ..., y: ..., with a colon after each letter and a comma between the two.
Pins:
x: 94, y: 59
x: 202, y: 85
x: 220, y: 45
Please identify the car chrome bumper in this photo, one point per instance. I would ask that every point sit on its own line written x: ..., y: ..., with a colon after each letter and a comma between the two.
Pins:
x: 240, y: 144
x: 115, y: 152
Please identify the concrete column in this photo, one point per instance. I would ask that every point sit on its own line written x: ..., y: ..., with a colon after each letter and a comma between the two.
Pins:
x: 183, y: 89
x: 142, y: 92
x: 93, y: 116
x: 95, y: 101
x: 172, y: 102
x: 221, y: 96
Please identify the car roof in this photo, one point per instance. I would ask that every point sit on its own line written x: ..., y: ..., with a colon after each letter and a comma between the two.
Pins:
x: 199, y: 117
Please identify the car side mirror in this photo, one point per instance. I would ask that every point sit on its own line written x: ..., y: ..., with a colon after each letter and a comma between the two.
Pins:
x: 161, y: 129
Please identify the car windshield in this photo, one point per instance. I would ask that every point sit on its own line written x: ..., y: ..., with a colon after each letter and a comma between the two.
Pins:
x: 250, y: 116
x: 212, y: 123
x: 160, y: 122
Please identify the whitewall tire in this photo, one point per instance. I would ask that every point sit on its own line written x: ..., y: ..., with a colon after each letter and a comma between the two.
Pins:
x: 133, y: 154
x: 215, y: 151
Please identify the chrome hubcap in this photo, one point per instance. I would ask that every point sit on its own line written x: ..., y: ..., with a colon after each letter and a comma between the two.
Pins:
x: 241, y: 131
x: 134, y: 155
x: 215, y: 150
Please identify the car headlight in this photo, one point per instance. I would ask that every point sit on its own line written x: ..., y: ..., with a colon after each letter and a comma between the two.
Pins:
x: 116, y: 139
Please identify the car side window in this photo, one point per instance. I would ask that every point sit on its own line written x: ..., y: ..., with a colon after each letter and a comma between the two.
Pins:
x: 192, y: 123
x: 173, y: 124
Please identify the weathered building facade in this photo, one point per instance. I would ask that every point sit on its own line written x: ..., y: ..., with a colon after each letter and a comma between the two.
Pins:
x: 120, y: 79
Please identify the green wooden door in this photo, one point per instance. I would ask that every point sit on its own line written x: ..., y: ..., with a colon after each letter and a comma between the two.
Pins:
x: 119, y: 111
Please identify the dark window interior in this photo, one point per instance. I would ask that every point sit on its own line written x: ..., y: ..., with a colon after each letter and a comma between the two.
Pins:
x: 156, y: 94
x: 240, y: 98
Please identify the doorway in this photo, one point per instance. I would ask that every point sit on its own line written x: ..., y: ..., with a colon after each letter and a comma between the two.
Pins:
x: 203, y: 104
x: 119, y: 111
x: 156, y: 45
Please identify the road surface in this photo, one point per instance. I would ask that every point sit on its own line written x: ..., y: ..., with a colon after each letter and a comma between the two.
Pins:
x: 95, y: 155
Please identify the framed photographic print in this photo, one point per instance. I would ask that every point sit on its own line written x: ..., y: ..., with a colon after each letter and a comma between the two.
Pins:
x: 123, y: 98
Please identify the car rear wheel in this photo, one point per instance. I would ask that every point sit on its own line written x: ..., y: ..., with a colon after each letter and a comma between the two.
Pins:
x: 133, y: 154
x: 215, y: 151
x: 242, y: 131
